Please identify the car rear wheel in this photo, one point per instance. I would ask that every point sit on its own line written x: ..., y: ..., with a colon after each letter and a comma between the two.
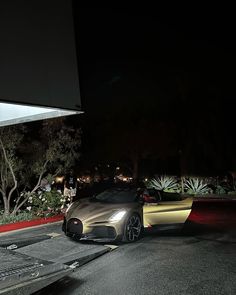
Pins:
x: 132, y: 229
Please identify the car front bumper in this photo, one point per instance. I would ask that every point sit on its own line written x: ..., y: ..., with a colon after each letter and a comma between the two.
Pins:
x: 74, y: 228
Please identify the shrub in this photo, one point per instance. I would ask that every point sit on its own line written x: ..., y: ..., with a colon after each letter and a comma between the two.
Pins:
x: 48, y: 202
x: 22, y: 216
x: 164, y: 183
x: 220, y: 190
x: 195, y: 186
x: 232, y: 193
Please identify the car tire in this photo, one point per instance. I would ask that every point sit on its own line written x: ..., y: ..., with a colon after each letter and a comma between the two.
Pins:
x: 132, y: 229
x: 74, y: 237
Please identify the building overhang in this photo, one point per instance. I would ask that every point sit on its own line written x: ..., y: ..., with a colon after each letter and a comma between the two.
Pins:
x: 38, y: 58
x: 11, y: 113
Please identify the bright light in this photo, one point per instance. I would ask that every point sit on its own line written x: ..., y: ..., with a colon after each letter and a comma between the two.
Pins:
x: 117, y: 168
x: 117, y: 216
x: 123, y: 178
x: 59, y: 179
x: 85, y: 179
x: 15, y: 113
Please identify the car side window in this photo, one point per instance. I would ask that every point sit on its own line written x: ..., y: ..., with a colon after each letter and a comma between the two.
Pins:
x: 151, y: 196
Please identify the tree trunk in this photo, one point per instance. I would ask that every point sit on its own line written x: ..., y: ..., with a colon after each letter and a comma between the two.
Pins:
x: 6, y: 207
x: 7, y: 198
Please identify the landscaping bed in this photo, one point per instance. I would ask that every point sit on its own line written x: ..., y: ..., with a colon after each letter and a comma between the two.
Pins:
x: 28, y: 223
x: 212, y: 197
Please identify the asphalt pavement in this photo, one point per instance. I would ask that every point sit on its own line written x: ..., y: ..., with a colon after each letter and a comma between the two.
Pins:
x: 201, y: 259
x: 164, y: 264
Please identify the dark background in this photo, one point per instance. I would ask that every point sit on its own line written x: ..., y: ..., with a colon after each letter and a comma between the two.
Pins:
x: 158, y: 91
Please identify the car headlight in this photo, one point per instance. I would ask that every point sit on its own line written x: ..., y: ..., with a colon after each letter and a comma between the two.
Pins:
x: 117, y: 216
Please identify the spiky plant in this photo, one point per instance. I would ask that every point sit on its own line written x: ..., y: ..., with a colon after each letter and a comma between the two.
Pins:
x: 220, y: 190
x: 164, y: 183
x: 195, y: 186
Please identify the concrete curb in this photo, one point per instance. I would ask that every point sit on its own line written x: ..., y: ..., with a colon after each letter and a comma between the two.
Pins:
x: 23, y: 229
x: 30, y: 223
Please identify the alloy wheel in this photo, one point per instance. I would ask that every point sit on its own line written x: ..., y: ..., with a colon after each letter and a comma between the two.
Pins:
x: 133, y: 228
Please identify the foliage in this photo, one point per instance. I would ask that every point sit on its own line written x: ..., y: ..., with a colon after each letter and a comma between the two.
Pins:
x: 56, y: 148
x: 192, y: 185
x: 11, y: 165
x: 22, y: 216
x: 220, y: 190
x: 165, y: 183
x: 46, y: 202
x: 28, y: 158
x: 195, y: 186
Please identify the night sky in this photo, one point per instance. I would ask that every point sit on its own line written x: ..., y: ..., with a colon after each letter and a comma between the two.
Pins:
x: 171, y: 79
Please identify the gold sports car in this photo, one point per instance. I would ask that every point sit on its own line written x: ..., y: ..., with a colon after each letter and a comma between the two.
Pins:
x: 120, y: 214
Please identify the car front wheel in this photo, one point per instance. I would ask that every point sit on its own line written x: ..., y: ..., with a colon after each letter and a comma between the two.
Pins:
x: 132, y: 228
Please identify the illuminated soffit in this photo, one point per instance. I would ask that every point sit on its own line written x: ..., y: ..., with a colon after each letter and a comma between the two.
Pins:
x: 15, y: 113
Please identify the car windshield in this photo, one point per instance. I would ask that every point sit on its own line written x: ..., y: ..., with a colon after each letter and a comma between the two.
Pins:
x: 116, y: 196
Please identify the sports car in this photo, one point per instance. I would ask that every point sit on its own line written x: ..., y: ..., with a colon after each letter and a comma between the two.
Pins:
x: 120, y: 214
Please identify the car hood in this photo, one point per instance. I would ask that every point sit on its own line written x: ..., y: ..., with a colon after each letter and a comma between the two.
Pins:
x: 93, y: 211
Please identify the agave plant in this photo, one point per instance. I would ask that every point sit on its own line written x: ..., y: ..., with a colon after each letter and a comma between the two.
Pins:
x: 165, y: 183
x: 220, y: 190
x: 195, y: 186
